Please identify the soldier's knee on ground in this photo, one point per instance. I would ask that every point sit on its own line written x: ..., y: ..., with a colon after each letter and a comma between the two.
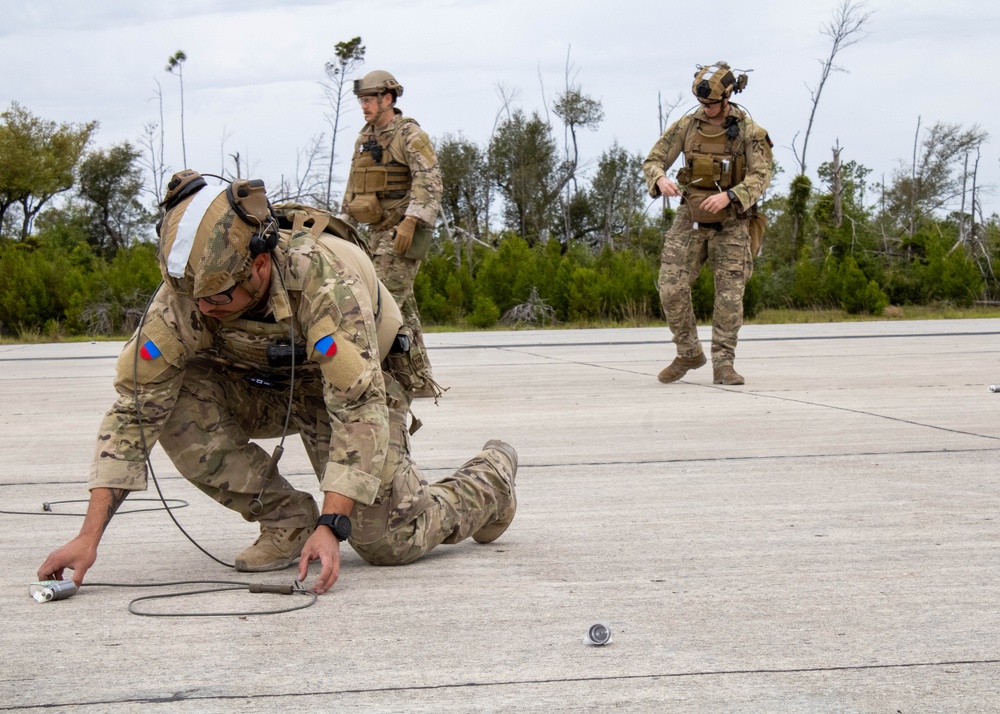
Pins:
x: 400, y: 546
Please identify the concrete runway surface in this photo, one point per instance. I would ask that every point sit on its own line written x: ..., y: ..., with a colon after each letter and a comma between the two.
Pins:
x: 825, y: 538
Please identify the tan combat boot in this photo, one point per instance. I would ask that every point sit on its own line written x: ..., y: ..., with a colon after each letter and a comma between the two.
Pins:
x: 274, y: 549
x: 727, y: 375
x: 492, y: 531
x: 679, y: 367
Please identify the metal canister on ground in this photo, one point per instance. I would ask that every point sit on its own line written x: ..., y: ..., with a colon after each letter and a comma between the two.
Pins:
x: 48, y: 590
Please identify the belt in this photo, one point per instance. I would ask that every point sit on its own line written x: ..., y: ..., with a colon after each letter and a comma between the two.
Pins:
x: 713, y: 226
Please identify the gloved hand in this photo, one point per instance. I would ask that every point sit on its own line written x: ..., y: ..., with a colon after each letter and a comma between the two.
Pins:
x: 404, y: 234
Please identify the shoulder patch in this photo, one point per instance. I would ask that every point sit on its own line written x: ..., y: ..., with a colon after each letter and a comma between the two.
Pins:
x: 326, y: 346
x: 149, y: 350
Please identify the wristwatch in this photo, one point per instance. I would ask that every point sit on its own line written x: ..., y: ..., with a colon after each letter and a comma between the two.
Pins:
x: 336, y: 522
x: 732, y: 195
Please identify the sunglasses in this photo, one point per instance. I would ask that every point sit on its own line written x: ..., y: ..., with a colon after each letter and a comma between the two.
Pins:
x: 223, y: 298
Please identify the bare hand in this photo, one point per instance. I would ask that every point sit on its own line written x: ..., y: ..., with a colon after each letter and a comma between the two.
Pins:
x: 667, y: 187
x: 404, y: 234
x: 324, y: 547
x: 716, y: 202
x: 77, y: 555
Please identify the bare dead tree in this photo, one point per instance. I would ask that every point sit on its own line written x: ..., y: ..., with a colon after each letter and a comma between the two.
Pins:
x: 837, y: 188
x: 507, y: 96
x: 576, y: 110
x: 913, y: 176
x: 348, y: 56
x: 306, y: 186
x: 664, y: 121
x: 535, y: 311
x: 845, y: 28
x: 961, y: 208
x: 152, y: 142
x: 236, y: 162
x: 226, y: 134
x: 176, y: 62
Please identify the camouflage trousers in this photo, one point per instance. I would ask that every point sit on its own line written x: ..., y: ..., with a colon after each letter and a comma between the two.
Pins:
x: 207, y: 436
x: 685, y: 250
x: 397, y: 274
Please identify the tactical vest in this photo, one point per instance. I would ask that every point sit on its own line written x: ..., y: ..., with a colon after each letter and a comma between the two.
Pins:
x: 263, y: 350
x: 380, y: 187
x: 713, y: 163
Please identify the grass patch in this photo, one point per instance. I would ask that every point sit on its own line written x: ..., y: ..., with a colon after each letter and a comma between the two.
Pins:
x: 893, y: 312
x: 764, y: 317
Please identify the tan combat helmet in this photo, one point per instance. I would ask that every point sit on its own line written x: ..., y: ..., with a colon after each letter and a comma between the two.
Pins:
x: 208, y: 236
x: 716, y: 82
x: 377, y: 83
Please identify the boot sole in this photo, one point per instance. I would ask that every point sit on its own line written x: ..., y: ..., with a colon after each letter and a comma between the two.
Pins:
x: 489, y: 533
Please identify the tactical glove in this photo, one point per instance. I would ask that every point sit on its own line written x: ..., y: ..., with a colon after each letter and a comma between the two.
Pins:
x: 404, y: 235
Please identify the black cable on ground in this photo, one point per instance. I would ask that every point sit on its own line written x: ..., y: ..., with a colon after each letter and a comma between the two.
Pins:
x: 295, y: 589
x: 47, y: 507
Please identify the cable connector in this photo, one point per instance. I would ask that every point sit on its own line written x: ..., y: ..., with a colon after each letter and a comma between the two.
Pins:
x: 275, y: 589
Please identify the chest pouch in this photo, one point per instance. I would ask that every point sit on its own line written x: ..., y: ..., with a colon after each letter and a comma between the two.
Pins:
x: 694, y: 200
x: 367, y: 180
x: 365, y: 208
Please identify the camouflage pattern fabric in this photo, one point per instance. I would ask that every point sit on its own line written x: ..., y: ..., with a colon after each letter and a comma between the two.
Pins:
x: 687, y: 248
x: 200, y: 402
x: 412, y: 516
x: 404, y: 142
x: 754, y: 143
x: 685, y: 251
x: 325, y: 297
x: 397, y: 273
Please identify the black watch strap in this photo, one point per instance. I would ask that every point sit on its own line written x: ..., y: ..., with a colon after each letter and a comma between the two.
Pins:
x: 732, y: 195
x: 336, y: 522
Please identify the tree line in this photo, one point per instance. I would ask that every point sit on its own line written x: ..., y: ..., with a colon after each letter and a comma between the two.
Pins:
x: 524, y: 236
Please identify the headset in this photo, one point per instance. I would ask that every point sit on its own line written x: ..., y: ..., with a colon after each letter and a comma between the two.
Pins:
x: 248, y: 200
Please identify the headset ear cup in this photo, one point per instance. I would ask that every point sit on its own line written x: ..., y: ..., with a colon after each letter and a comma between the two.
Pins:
x: 266, y: 240
x: 248, y: 200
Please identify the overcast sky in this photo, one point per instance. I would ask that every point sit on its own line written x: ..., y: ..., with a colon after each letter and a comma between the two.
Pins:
x: 252, y: 75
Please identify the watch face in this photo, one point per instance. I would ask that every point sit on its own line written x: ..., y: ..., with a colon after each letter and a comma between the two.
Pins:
x: 338, y: 523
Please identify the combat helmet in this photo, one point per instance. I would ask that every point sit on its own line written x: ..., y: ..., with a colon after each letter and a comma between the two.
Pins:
x: 377, y: 83
x: 210, y: 235
x: 715, y: 82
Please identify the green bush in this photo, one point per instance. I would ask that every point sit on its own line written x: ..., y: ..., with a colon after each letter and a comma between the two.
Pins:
x: 857, y: 293
x: 25, y: 297
x: 484, y: 314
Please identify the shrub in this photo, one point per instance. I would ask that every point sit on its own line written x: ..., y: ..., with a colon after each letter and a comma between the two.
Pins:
x: 484, y: 314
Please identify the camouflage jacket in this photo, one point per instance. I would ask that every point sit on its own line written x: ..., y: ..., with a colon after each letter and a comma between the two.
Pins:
x: 326, y: 299
x: 755, y: 144
x: 404, y: 142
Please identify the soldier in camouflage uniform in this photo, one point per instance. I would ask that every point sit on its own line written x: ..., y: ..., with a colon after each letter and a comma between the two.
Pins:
x: 395, y: 188
x: 727, y: 167
x: 254, y: 326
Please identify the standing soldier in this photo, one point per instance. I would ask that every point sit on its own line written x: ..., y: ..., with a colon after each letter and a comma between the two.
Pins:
x: 727, y: 167
x: 395, y: 188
